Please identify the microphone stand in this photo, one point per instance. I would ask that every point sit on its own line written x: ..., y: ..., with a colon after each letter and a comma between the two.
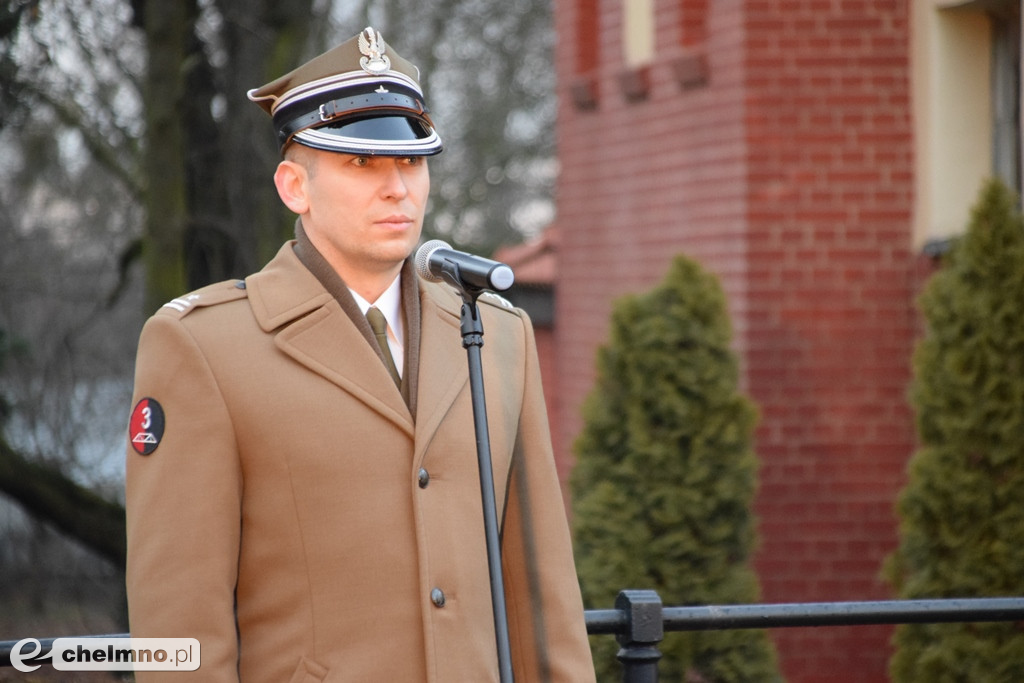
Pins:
x: 472, y: 340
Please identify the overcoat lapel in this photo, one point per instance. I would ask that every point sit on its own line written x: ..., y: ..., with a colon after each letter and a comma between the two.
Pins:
x: 444, y: 368
x: 309, y: 325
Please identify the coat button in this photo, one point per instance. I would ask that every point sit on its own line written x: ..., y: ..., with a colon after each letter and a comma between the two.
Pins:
x: 437, y: 597
x: 423, y: 478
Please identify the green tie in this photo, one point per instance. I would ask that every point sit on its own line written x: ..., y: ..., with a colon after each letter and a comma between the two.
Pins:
x: 380, y: 330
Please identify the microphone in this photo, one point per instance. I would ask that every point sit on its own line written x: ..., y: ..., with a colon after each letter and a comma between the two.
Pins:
x: 436, y: 261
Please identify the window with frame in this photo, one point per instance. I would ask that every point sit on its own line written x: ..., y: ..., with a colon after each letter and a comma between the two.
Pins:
x: 966, y: 98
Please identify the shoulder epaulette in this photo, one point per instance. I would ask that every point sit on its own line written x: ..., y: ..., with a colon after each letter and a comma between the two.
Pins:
x: 497, y: 300
x: 211, y: 295
x: 453, y: 299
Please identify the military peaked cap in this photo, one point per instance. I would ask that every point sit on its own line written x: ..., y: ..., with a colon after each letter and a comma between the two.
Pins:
x: 360, y: 97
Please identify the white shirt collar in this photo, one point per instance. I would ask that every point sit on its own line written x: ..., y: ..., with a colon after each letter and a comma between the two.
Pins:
x: 390, y: 304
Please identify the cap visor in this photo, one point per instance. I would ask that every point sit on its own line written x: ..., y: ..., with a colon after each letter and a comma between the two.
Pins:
x: 379, y: 135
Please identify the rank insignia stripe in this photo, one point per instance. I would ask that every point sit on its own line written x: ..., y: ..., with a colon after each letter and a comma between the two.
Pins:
x: 182, y: 304
x: 497, y: 300
x: 211, y: 295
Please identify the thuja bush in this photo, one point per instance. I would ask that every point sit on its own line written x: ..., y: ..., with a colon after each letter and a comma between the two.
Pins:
x: 962, y: 510
x: 666, y: 474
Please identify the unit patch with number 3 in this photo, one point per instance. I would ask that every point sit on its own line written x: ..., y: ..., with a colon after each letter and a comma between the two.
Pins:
x: 146, y: 427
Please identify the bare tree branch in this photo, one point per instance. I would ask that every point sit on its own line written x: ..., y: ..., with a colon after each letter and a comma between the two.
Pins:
x: 101, y: 150
x: 49, y: 496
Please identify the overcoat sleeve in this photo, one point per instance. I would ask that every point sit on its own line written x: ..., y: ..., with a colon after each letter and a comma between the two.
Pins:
x: 545, y: 608
x: 183, y: 502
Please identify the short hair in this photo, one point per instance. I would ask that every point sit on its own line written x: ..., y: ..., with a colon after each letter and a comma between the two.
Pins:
x: 303, y: 156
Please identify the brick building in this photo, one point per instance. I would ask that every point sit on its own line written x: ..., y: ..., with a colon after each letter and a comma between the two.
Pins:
x: 811, y: 153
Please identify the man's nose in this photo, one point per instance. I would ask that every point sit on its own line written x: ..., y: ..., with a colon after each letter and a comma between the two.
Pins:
x: 393, y: 183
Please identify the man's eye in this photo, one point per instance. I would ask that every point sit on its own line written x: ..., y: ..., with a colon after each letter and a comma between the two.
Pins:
x: 361, y: 161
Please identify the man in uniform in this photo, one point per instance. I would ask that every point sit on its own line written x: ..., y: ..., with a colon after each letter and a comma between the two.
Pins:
x: 302, y: 490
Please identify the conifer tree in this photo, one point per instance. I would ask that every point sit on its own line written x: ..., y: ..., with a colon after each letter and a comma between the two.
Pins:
x: 962, y: 510
x: 666, y: 473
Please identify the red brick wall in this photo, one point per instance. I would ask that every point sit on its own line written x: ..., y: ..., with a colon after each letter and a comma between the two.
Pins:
x: 831, y: 310
x: 641, y: 182
x: 776, y: 149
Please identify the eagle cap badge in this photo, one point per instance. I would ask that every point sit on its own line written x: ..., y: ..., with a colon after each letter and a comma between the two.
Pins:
x: 372, y: 46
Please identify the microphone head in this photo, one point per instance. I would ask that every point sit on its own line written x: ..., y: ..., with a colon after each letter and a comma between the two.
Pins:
x: 502, y: 277
x: 422, y: 260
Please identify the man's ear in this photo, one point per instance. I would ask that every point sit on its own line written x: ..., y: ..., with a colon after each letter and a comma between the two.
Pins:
x: 290, y: 180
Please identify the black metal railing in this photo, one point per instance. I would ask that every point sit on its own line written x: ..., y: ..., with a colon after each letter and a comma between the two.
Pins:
x: 639, y: 621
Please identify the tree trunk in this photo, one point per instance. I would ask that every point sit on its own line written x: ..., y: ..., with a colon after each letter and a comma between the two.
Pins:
x: 168, y: 26
x: 264, y: 39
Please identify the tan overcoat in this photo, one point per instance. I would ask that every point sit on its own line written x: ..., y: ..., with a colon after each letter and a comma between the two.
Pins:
x: 297, y: 520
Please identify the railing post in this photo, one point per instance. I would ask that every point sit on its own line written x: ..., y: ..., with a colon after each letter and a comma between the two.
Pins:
x: 644, y: 630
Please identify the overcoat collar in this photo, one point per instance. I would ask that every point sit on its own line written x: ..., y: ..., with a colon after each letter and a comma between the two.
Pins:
x: 314, y: 261
x: 309, y: 325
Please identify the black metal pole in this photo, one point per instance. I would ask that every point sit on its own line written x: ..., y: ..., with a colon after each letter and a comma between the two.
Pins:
x: 472, y: 340
x: 640, y: 636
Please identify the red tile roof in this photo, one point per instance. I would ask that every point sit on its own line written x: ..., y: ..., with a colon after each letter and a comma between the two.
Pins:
x: 534, y: 262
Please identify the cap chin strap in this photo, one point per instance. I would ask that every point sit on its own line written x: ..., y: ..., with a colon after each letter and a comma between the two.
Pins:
x: 331, y: 110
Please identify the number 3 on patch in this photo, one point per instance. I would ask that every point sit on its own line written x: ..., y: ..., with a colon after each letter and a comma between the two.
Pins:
x: 146, y: 427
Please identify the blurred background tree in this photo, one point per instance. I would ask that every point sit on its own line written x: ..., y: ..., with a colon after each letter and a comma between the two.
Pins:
x: 961, y: 515
x: 135, y: 169
x: 666, y: 474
